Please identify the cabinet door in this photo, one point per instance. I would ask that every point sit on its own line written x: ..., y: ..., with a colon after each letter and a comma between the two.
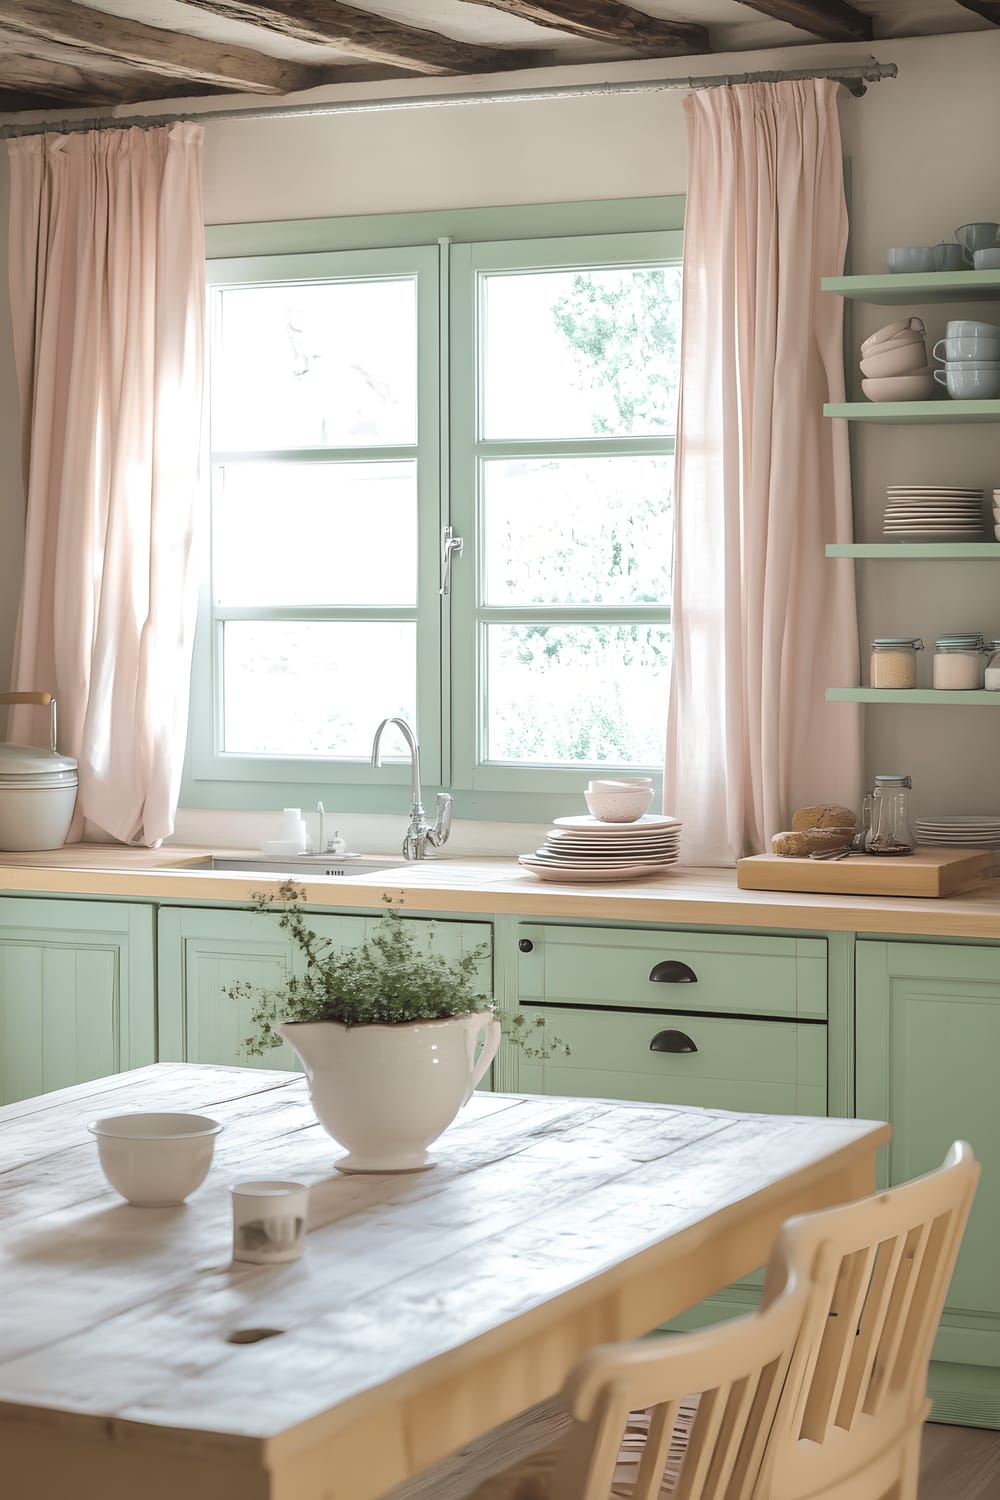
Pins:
x: 76, y: 992
x: 928, y: 1055
x: 203, y: 952
x: 764, y: 1067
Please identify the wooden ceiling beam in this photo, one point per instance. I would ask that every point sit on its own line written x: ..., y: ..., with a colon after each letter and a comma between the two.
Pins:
x: 95, y: 34
x: 55, y: 81
x: 365, y: 34
x: 988, y: 9
x: 830, y: 20
x: 609, y: 21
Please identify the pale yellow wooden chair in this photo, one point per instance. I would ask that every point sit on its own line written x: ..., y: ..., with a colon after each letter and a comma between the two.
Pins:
x: 820, y: 1395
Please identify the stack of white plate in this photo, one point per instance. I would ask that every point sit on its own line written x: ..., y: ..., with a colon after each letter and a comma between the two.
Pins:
x: 931, y: 512
x: 584, y: 848
x: 973, y: 831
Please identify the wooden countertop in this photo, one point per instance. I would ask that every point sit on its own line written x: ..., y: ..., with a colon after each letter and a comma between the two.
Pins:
x: 684, y: 896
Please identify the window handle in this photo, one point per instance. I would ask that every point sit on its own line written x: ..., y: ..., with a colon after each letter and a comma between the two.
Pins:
x: 451, y: 546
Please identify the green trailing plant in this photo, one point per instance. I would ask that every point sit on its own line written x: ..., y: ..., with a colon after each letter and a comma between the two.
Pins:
x: 387, y: 980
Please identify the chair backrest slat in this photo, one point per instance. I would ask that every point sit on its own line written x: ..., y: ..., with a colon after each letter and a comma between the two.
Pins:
x: 858, y: 1372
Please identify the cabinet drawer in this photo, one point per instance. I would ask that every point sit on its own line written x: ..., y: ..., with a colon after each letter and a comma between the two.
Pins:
x: 673, y: 971
x: 765, y: 1067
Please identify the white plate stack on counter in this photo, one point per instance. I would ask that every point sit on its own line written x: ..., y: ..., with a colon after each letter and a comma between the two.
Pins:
x: 583, y: 848
x: 971, y: 831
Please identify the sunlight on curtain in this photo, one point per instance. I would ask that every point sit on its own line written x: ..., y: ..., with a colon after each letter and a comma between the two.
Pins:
x: 107, y: 281
x: 763, y: 622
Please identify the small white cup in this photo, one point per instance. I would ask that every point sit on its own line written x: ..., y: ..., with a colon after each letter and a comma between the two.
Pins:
x: 270, y: 1221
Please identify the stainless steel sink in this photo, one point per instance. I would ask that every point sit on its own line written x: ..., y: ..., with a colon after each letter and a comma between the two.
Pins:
x: 343, y: 865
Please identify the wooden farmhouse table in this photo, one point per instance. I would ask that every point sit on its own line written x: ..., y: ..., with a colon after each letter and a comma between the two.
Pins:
x: 428, y: 1307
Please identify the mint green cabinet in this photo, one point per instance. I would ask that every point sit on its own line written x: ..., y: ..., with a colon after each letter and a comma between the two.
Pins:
x: 764, y: 1067
x: 203, y: 952
x: 928, y: 1060
x: 76, y: 992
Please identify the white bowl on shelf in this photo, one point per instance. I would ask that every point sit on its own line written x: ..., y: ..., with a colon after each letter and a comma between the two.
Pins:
x: 902, y: 359
x: 903, y: 328
x: 918, y: 386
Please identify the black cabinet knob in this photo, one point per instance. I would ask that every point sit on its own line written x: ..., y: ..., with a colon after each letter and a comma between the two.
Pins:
x: 672, y: 971
x: 672, y: 1041
x: 525, y: 945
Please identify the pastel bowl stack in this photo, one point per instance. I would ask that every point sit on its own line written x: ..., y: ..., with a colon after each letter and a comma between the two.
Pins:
x: 894, y: 363
x: 996, y: 514
x: 970, y: 360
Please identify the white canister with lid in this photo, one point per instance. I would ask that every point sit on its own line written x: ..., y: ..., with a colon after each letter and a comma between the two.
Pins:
x: 957, y: 663
x: 991, y: 676
x: 37, y: 788
x: 893, y: 661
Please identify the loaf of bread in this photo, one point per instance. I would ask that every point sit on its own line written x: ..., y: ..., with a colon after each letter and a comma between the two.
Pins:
x: 829, y: 816
x: 804, y: 841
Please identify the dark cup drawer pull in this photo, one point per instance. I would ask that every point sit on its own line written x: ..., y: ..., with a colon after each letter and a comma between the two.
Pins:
x: 672, y: 1041
x: 672, y: 971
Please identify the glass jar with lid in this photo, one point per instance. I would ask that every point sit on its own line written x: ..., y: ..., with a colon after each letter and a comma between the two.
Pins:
x: 991, y: 676
x: 890, y: 832
x: 893, y: 661
x: 958, y: 662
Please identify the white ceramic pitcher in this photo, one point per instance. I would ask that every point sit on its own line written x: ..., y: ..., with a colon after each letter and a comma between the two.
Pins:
x: 387, y: 1092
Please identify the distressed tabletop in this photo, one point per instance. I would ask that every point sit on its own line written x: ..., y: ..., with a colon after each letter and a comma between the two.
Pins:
x: 428, y: 1307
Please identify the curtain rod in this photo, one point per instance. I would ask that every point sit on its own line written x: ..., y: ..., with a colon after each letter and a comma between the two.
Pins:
x: 854, y: 78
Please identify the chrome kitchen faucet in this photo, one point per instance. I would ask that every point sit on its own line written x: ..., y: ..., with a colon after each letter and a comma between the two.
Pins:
x: 420, y: 833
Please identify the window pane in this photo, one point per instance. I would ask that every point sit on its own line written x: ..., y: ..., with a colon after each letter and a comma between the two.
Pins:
x: 311, y: 366
x: 315, y: 534
x: 571, y: 354
x: 577, y: 694
x: 577, y: 531
x: 316, y: 689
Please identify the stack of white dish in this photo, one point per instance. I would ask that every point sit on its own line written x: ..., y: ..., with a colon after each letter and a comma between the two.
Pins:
x: 583, y: 848
x: 973, y: 831
x: 894, y: 363
x: 933, y: 512
x: 996, y: 514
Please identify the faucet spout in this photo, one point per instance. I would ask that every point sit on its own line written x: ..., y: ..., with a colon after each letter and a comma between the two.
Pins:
x: 419, y: 833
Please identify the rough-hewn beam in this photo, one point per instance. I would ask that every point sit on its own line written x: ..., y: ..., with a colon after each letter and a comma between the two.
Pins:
x: 609, y: 21
x: 832, y: 20
x: 54, y: 80
x: 988, y: 9
x: 364, y: 34
x: 95, y: 33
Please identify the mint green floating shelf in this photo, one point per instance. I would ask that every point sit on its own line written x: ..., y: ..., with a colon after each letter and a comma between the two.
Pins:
x: 905, y: 413
x: 959, y: 551
x: 889, y: 290
x: 938, y: 696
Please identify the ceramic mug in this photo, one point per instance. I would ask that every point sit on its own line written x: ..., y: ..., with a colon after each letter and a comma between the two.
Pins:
x: 910, y: 258
x: 977, y: 236
x: 948, y: 257
x: 969, y: 383
x: 978, y: 350
x: 987, y: 259
x: 969, y: 328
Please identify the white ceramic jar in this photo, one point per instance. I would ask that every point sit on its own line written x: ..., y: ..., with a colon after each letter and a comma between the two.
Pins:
x: 957, y: 663
x: 37, y: 797
x: 893, y: 662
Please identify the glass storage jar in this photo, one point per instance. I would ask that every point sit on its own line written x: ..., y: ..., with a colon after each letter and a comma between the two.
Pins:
x: 894, y: 661
x: 991, y: 677
x: 890, y: 826
x: 958, y: 662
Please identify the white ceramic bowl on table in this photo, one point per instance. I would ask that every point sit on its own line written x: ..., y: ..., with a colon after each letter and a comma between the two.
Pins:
x: 619, y: 806
x: 155, y: 1160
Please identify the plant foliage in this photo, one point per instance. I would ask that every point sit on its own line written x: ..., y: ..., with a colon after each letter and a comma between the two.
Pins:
x: 388, y: 980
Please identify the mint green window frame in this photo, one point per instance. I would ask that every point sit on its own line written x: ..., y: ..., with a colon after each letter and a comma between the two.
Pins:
x: 208, y: 759
x: 470, y: 452
x: 439, y: 247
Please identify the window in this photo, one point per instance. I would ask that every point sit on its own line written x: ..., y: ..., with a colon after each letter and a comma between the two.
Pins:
x: 521, y: 392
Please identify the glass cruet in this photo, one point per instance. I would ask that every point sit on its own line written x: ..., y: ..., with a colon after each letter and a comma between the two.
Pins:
x: 890, y: 825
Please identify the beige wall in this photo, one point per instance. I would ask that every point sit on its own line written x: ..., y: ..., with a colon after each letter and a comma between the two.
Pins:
x: 920, y: 166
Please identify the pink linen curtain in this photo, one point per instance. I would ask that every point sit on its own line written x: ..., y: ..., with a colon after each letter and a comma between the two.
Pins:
x: 763, y: 622
x: 107, y: 283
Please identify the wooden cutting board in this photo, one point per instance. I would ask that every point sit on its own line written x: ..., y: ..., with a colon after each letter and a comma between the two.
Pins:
x: 925, y: 872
